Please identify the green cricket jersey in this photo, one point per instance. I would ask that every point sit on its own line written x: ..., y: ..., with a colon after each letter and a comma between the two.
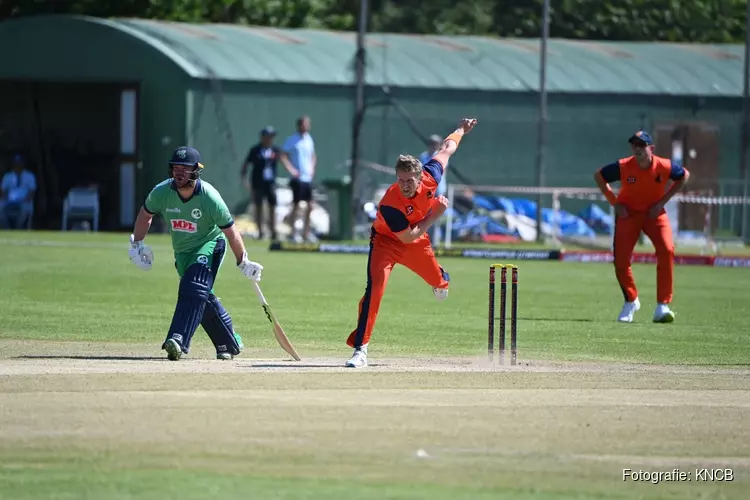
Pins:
x: 192, y: 222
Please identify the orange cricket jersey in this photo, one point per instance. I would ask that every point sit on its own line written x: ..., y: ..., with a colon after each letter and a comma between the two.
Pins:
x: 640, y: 189
x: 397, y: 213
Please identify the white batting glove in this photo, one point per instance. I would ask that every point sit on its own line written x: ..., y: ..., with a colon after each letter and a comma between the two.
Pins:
x: 249, y: 268
x: 141, y: 255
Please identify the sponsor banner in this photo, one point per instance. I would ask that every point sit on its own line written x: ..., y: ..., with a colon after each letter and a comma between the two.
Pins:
x: 506, y: 254
x: 649, y: 258
x: 343, y: 248
x: 294, y: 247
x: 729, y: 261
x: 638, y: 258
x: 470, y: 253
x: 689, y: 260
x: 586, y: 256
x: 509, y: 254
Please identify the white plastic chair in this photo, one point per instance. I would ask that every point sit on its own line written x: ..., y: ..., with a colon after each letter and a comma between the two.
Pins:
x: 81, y: 203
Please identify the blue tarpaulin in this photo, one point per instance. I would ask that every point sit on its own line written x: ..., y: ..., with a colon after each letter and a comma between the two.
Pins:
x: 570, y: 225
x: 599, y: 220
x: 477, y: 224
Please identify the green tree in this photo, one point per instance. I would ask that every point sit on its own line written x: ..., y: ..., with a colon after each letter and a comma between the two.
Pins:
x: 708, y: 21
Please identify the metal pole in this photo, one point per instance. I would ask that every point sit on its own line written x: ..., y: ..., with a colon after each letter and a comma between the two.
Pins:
x: 744, y: 128
x: 449, y: 222
x: 359, y: 107
x: 542, y: 119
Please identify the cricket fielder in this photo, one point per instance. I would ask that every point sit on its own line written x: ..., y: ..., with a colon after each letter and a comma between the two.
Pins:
x: 200, y: 226
x: 639, y: 206
x: 399, y: 235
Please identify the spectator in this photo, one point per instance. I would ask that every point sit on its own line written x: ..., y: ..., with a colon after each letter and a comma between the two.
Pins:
x: 262, y: 184
x: 435, y: 232
x: 17, y: 195
x: 298, y: 156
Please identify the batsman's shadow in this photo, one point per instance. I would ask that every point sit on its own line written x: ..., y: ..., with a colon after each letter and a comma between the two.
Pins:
x: 94, y: 358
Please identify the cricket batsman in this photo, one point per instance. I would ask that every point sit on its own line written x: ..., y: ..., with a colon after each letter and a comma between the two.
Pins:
x: 399, y: 235
x: 647, y: 183
x: 200, y: 226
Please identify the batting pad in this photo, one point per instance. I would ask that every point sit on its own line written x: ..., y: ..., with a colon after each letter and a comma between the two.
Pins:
x: 218, y: 325
x: 194, y: 292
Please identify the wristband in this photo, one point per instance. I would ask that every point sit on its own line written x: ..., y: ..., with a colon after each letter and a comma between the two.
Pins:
x: 455, y: 137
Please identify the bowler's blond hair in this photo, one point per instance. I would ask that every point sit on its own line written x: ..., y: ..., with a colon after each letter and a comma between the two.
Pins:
x: 408, y: 164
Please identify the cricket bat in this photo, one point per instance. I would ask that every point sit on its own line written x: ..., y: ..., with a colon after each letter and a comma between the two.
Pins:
x: 278, y: 332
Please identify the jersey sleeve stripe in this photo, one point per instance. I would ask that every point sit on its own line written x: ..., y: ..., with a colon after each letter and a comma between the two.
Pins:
x: 435, y: 169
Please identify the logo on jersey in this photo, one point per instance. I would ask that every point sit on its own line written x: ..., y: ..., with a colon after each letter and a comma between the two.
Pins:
x: 202, y: 259
x: 173, y: 210
x: 268, y: 154
x: 184, y: 226
x: 196, y: 213
x: 409, y: 210
x: 631, y: 179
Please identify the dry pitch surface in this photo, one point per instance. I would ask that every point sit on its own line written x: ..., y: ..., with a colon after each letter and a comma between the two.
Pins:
x: 122, y: 416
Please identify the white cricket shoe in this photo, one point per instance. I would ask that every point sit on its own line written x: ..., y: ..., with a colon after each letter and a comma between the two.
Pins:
x: 174, y: 351
x: 628, y: 311
x: 663, y: 314
x: 440, y: 293
x: 358, y: 359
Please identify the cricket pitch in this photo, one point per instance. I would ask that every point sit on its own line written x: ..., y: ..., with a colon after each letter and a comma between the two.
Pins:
x: 419, y: 427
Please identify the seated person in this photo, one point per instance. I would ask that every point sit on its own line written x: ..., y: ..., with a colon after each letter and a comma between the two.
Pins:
x: 17, y: 195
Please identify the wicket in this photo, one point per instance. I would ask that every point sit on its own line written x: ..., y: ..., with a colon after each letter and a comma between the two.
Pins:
x: 513, y: 313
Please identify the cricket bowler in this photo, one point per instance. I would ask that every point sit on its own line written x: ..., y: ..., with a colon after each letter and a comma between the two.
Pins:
x: 200, y: 226
x: 639, y: 206
x: 399, y: 235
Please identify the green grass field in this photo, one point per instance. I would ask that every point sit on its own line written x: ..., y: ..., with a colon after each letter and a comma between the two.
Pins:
x: 91, y: 409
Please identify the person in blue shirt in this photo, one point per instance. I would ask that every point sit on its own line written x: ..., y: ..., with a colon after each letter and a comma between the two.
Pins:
x: 298, y: 156
x: 17, y: 195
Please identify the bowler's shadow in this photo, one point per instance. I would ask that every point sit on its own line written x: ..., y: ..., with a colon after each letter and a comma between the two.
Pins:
x: 558, y: 320
x: 299, y: 365
x: 96, y: 358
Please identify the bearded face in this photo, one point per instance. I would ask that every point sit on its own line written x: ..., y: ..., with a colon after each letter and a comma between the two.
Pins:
x: 183, y: 175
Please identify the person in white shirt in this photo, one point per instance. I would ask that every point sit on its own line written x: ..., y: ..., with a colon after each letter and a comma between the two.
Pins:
x: 298, y: 156
x: 17, y: 195
x: 436, y: 141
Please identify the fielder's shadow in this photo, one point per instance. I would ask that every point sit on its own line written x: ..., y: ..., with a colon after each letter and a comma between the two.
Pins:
x: 96, y: 358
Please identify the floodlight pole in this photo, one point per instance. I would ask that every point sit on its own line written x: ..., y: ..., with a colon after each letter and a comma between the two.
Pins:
x: 359, y: 110
x: 745, y: 130
x: 542, y: 137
